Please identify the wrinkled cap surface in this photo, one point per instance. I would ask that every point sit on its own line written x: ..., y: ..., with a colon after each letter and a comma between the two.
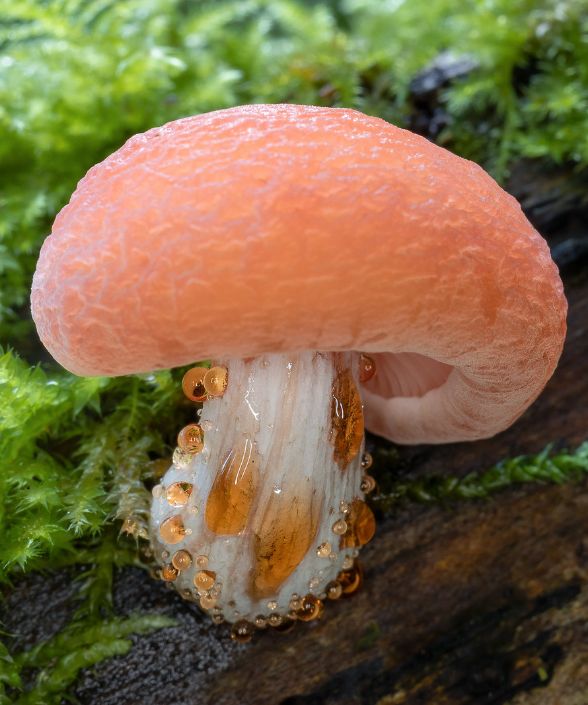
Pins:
x: 284, y: 228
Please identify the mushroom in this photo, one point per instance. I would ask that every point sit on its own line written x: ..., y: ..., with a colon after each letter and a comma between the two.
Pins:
x: 331, y: 265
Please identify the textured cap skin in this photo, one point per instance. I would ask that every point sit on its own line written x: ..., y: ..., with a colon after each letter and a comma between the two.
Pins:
x: 273, y: 228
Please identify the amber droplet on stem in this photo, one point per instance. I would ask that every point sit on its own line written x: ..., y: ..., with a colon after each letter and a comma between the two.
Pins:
x: 310, y: 609
x: 334, y: 590
x: 361, y: 525
x: 368, y: 484
x: 172, y: 529
x: 339, y: 527
x: 204, y: 579
x: 191, y: 438
x: 182, y: 560
x: 215, y: 381
x: 366, y: 461
x: 193, y: 384
x: 350, y: 580
x: 367, y: 368
x: 178, y: 493
x: 324, y: 550
x: 169, y: 573
x: 242, y: 631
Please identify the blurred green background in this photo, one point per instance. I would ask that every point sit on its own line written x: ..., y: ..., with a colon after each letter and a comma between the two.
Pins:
x: 496, y: 81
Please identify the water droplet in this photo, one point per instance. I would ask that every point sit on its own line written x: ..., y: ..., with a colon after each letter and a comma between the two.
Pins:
x: 350, y: 579
x: 165, y: 555
x: 367, y: 368
x: 343, y: 507
x: 368, y: 484
x: 347, y: 563
x: 334, y: 590
x: 340, y: 527
x: 366, y: 461
x: 202, y: 561
x: 313, y: 583
x: 182, y: 560
x: 272, y: 605
x: 260, y: 621
x: 181, y: 459
x: 193, y: 384
x: 361, y: 525
x: 178, y: 493
x: 207, y: 602
x: 242, y: 631
x: 218, y: 618
x: 324, y: 550
x: 295, y: 603
x: 215, y: 381
x: 274, y: 620
x: 191, y: 438
x: 204, y: 579
x: 310, y: 609
x: 172, y: 529
x: 157, y: 491
x: 332, y: 557
x: 169, y: 573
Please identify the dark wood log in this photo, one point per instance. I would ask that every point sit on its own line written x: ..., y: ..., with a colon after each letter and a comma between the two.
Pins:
x: 478, y: 602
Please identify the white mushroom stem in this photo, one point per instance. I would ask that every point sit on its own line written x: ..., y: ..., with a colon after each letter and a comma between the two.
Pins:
x: 270, y: 509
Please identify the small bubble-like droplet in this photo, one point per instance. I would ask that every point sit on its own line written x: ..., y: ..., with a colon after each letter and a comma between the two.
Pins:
x: 207, y: 602
x: 350, y: 579
x: 274, y: 620
x: 260, y: 621
x: 340, y: 527
x: 366, y: 461
x: 367, y: 368
x: 204, y: 579
x: 172, y: 529
x: 215, y: 381
x: 218, y: 618
x: 313, y: 583
x: 242, y: 631
x: 368, y: 484
x: 202, y: 561
x: 334, y: 590
x: 169, y: 573
x: 182, y: 560
x: 191, y: 438
x: 361, y: 525
x: 347, y: 563
x: 178, y: 493
x: 295, y: 602
x: 193, y: 384
x: 324, y: 550
x: 181, y: 459
x: 310, y: 609
x: 343, y: 506
x: 272, y: 605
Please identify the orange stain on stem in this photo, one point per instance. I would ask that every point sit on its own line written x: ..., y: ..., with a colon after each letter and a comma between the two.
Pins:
x: 231, y: 497
x: 346, y: 419
x: 284, y: 534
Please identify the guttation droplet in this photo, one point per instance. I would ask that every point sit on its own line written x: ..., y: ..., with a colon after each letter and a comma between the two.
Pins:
x: 193, y: 384
x: 182, y: 560
x: 191, y: 438
x: 340, y: 527
x: 215, y: 381
x: 172, y: 529
x: 324, y: 550
x: 366, y: 461
x: 202, y: 561
x: 368, y: 484
x: 367, y: 368
x: 169, y: 573
x: 334, y: 590
x: 311, y: 608
x: 178, y: 493
x: 242, y: 631
x: 204, y: 579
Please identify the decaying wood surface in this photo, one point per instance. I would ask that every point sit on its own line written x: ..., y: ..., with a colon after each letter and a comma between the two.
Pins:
x: 478, y: 602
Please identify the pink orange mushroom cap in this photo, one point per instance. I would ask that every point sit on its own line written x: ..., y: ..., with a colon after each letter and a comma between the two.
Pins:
x: 271, y: 232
